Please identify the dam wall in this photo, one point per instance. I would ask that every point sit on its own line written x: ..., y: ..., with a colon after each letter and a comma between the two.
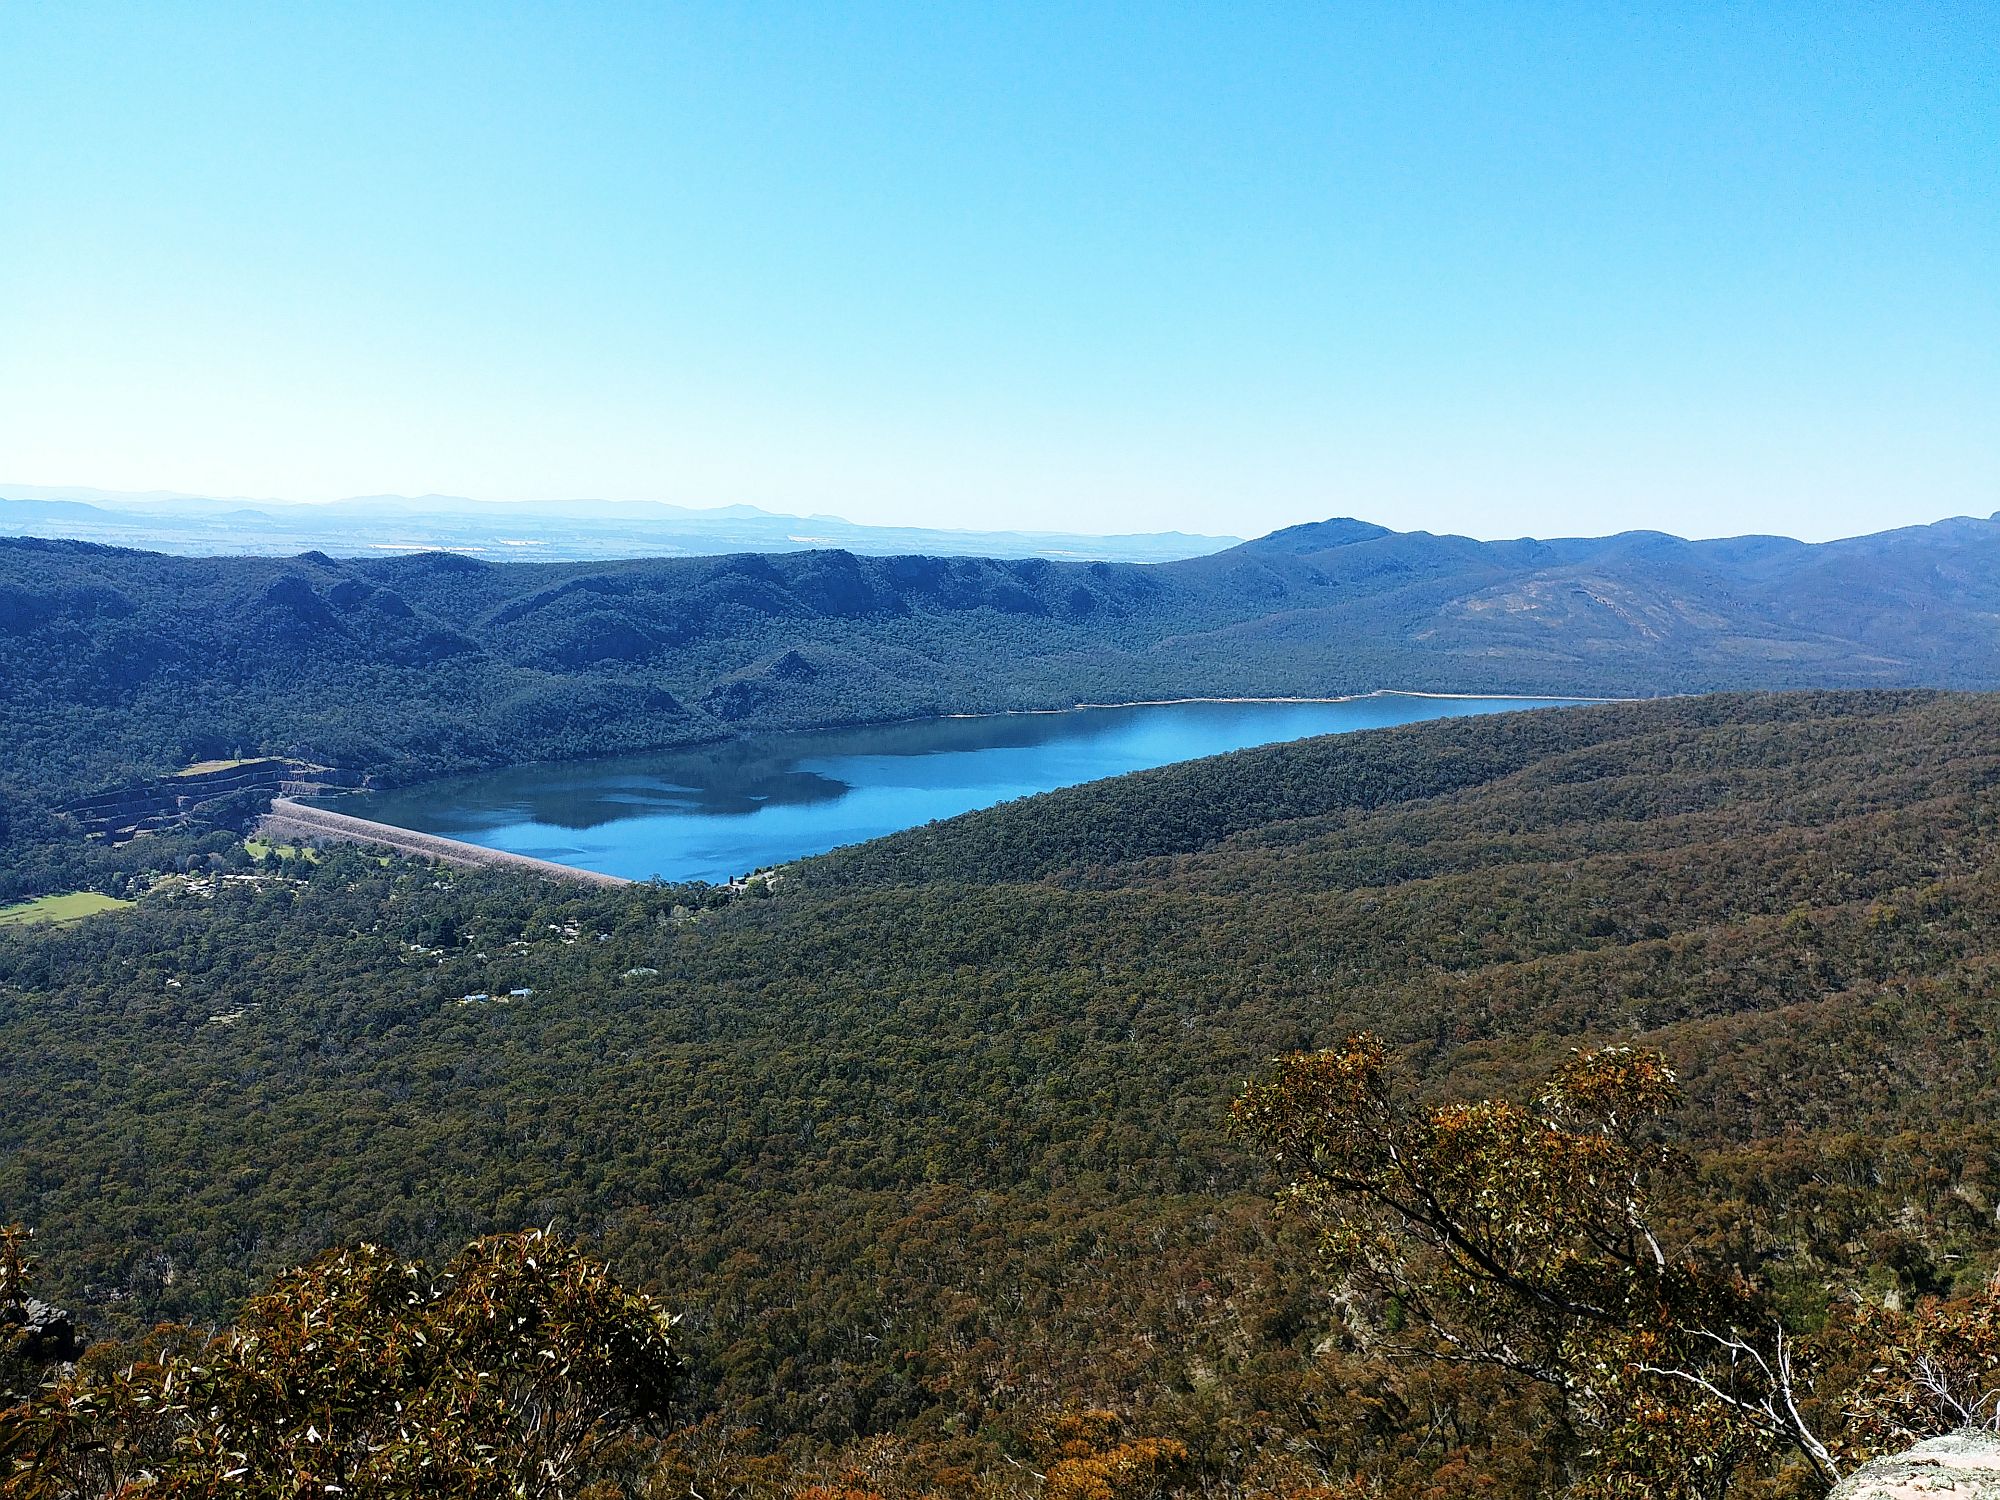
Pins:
x: 295, y: 822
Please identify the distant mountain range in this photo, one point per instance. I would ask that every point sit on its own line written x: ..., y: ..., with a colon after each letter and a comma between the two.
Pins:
x: 122, y: 660
x: 567, y: 530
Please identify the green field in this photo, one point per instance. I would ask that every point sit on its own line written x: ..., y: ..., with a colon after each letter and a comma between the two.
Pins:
x: 260, y: 847
x: 71, y: 907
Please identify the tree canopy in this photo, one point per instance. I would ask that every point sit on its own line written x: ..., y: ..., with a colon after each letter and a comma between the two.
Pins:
x: 518, y: 1369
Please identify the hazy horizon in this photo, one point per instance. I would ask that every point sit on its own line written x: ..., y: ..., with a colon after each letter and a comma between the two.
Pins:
x: 553, y: 508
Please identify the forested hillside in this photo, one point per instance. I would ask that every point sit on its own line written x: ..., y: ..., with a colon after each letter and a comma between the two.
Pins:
x: 930, y: 1146
x: 122, y: 661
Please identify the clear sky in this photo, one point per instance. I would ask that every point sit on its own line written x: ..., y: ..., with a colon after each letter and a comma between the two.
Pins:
x: 1494, y: 268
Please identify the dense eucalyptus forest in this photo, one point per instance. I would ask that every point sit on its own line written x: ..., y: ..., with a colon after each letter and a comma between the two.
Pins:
x: 461, y: 1036
x: 931, y: 1150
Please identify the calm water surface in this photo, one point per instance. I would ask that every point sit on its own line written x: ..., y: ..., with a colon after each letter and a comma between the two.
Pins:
x: 724, y: 810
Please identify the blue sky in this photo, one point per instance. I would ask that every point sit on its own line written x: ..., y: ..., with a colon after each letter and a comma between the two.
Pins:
x: 1499, y: 269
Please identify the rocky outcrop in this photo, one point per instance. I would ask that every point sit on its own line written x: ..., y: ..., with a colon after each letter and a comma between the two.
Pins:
x: 48, y: 1334
x: 1961, y: 1465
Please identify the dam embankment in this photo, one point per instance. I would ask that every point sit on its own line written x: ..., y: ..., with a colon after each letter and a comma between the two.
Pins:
x: 295, y: 821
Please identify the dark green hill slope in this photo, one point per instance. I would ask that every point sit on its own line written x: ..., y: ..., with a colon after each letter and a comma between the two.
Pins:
x: 932, y: 1139
x: 121, y: 660
x: 1191, y: 806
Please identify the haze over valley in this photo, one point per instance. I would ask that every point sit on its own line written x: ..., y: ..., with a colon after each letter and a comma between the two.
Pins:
x: 377, y: 525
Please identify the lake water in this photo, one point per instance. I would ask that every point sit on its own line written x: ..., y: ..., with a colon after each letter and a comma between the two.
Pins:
x: 725, y: 810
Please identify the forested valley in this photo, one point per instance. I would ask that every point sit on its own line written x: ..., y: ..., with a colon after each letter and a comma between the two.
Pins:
x: 930, y: 1146
x: 122, y: 663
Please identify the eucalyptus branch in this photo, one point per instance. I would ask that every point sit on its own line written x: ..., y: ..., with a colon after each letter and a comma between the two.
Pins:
x: 1777, y: 1410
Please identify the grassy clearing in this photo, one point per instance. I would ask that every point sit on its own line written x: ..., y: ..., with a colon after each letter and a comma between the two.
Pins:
x: 260, y: 847
x: 203, y: 767
x: 72, y: 907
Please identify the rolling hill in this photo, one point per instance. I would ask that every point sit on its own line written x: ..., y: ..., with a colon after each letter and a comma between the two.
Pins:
x: 120, y: 661
x: 932, y: 1143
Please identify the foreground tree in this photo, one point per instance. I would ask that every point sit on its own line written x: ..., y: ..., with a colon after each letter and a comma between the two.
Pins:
x: 1518, y: 1238
x: 520, y: 1369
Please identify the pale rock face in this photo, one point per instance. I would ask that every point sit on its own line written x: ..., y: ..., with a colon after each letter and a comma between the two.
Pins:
x: 1961, y: 1466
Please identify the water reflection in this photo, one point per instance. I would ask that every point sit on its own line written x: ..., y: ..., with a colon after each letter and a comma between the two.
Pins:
x: 718, y: 811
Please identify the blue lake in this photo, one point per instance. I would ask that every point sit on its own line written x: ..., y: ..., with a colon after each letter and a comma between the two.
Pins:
x: 725, y: 810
